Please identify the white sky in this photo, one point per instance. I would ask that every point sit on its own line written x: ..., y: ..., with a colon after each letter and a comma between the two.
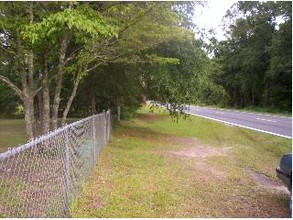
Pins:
x: 210, y: 16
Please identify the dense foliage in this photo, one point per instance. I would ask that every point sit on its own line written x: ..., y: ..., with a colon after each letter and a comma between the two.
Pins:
x: 61, y: 59
x: 257, y: 57
x: 77, y: 58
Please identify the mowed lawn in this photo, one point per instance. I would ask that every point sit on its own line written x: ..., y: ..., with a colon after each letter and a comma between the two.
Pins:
x: 154, y: 167
x: 12, y: 133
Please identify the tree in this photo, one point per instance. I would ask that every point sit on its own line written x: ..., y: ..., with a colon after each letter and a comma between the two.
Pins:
x: 279, y: 74
x: 51, y: 40
x: 190, y: 81
x: 249, y: 54
x: 12, y: 19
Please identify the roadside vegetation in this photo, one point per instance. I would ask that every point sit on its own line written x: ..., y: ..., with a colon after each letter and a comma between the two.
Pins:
x: 154, y: 167
x: 256, y: 58
x: 73, y: 59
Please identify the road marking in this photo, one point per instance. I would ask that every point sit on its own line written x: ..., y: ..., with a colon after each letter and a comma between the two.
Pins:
x: 234, y: 124
x: 245, y: 112
x: 264, y: 119
x: 241, y: 126
x: 221, y: 113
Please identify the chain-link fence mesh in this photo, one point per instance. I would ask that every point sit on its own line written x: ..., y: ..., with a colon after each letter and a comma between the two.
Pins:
x: 43, y: 177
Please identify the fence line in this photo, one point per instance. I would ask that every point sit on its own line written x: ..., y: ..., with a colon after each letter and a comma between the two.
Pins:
x: 43, y: 177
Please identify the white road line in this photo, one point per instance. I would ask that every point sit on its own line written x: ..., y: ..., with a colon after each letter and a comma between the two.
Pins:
x: 245, y: 112
x: 234, y: 124
x: 221, y: 113
x: 264, y: 119
x: 241, y: 126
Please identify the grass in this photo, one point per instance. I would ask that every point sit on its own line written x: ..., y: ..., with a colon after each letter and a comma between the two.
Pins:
x: 140, y: 175
x: 12, y: 133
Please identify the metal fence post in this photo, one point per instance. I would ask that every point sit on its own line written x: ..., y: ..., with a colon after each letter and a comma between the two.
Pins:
x: 94, y: 140
x: 109, y: 125
x: 67, y: 175
x: 105, y: 128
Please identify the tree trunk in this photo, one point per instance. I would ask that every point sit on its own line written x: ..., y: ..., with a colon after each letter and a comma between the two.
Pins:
x: 28, y: 101
x: 30, y: 90
x: 25, y: 68
x: 28, y: 84
x: 69, y: 103
x: 144, y: 89
x: 46, y: 101
x: 144, y: 96
x: 56, y: 101
x: 81, y: 72
x: 40, y: 108
x: 29, y: 115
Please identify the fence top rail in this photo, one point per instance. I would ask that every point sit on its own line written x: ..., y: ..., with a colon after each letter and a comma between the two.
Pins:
x: 45, y: 137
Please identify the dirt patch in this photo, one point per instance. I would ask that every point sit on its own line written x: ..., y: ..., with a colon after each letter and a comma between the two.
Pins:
x: 207, y: 171
x: 96, y: 203
x: 150, y: 117
x: 201, y: 151
x: 187, y: 142
x: 264, y: 181
x: 192, y: 147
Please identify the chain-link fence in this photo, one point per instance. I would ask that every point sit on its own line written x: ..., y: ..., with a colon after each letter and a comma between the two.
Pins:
x: 43, y: 177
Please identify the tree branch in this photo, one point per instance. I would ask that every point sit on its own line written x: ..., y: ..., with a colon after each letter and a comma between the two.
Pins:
x: 11, y: 85
x: 134, y: 22
x: 73, y: 93
x: 7, y: 51
x: 37, y: 91
x: 73, y: 54
x: 94, y: 67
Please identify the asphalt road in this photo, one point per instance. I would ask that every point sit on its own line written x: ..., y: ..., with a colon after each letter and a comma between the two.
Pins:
x: 276, y: 125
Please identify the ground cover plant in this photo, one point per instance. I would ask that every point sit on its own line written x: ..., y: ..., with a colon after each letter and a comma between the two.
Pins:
x: 154, y: 167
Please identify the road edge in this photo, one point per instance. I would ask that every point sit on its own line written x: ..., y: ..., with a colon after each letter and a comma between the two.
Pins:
x: 238, y: 125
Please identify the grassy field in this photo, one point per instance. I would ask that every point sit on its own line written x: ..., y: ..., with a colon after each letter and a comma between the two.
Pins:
x: 154, y: 167
x: 12, y: 133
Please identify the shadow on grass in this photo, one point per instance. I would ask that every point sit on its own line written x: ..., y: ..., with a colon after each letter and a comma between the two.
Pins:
x: 140, y: 132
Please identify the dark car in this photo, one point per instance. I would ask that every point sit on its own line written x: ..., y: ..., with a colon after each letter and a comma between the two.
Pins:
x: 284, y: 172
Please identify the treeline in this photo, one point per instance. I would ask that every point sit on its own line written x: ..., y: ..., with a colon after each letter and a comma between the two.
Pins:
x: 61, y: 59
x: 256, y: 60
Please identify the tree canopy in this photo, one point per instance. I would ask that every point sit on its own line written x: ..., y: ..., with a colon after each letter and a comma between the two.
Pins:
x: 51, y: 48
x: 256, y: 59
x: 61, y: 59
